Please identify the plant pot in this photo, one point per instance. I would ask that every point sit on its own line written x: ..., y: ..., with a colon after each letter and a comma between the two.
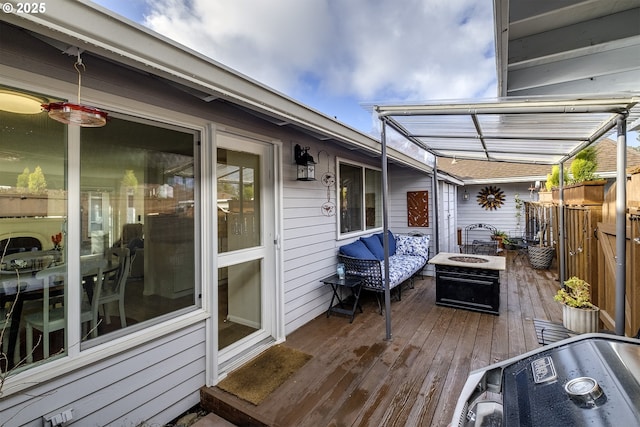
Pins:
x: 541, y: 257
x: 588, y: 193
x: 634, y: 189
x: 545, y: 196
x: 580, y: 320
x: 498, y: 239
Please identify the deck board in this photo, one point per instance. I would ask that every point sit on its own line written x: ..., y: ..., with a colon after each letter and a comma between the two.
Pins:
x: 357, y: 378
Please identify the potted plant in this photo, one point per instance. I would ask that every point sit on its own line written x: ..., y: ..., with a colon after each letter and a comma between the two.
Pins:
x: 553, y: 182
x: 579, y: 314
x: 585, y: 188
x: 499, y: 237
x: 509, y: 243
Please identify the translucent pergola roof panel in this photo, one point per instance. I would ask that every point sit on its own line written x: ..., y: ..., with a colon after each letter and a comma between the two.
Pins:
x: 527, y: 130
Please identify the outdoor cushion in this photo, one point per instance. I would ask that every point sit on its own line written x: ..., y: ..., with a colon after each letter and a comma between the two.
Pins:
x: 373, y: 244
x: 392, y: 242
x: 413, y: 245
x: 402, y: 267
x: 356, y: 249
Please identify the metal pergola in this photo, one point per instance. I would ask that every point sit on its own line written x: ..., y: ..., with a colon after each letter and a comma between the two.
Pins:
x: 540, y: 130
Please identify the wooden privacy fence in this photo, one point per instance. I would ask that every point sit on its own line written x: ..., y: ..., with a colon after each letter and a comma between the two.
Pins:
x: 590, y: 249
x: 606, y: 282
x: 581, y: 247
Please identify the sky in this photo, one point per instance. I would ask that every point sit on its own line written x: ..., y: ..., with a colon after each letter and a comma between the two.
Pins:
x: 337, y: 56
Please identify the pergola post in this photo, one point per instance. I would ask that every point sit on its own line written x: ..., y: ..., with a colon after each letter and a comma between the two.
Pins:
x: 562, y: 267
x: 385, y: 233
x: 436, y: 215
x: 621, y: 223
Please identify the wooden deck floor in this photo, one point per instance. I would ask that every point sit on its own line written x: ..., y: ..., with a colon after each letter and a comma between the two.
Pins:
x: 356, y: 378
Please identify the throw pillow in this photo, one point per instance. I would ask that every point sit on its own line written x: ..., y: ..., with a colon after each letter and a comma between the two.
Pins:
x: 392, y: 242
x: 373, y: 244
x: 356, y: 249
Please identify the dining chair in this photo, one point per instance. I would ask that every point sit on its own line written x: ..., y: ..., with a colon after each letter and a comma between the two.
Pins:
x: 52, y: 317
x: 5, y: 328
x: 113, y: 286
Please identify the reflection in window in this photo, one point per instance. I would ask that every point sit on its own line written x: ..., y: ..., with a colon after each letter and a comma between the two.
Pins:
x: 373, y: 198
x: 359, y: 187
x: 137, y: 203
x: 137, y: 230
x: 33, y: 210
x: 239, y: 302
x: 238, y: 201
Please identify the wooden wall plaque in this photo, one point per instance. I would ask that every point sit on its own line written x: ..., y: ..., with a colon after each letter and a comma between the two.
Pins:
x: 418, y: 208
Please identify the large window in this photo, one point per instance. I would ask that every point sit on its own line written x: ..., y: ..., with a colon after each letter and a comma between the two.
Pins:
x: 137, y: 185
x: 134, y: 215
x: 360, y: 198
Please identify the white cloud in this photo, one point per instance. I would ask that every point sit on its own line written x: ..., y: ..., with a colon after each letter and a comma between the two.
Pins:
x: 370, y: 50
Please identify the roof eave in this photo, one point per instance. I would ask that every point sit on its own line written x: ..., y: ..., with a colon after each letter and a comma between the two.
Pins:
x: 90, y: 27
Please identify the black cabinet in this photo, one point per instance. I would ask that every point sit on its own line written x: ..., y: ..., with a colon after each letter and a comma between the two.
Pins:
x: 469, y: 288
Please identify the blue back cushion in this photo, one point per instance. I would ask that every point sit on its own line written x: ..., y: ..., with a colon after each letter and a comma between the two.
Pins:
x: 392, y: 242
x: 373, y: 244
x: 356, y: 249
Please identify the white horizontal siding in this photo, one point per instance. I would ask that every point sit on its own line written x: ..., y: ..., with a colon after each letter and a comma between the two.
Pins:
x: 310, y: 245
x: 151, y: 382
x: 503, y: 218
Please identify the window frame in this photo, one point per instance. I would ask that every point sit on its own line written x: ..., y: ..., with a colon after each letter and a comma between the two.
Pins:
x: 363, y: 169
x: 148, y: 323
x: 75, y: 357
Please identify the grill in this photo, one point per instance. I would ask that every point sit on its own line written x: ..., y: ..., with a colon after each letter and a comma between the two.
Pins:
x: 592, y: 379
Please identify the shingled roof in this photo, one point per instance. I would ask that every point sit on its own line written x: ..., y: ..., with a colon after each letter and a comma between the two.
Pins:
x: 477, y: 171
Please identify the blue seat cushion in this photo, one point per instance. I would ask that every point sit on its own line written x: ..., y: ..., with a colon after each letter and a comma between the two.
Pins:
x: 356, y: 249
x: 392, y: 242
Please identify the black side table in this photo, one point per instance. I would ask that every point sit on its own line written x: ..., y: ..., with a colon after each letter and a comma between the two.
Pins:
x: 352, y: 282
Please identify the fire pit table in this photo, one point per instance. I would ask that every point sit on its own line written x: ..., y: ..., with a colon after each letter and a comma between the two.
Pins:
x: 471, y: 282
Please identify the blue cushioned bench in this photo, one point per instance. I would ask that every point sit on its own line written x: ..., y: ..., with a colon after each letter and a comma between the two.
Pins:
x: 364, y: 257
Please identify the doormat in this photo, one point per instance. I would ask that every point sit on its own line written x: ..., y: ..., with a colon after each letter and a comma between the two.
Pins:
x: 255, y: 380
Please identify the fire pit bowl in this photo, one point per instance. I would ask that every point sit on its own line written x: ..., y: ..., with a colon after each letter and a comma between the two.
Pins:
x: 468, y: 259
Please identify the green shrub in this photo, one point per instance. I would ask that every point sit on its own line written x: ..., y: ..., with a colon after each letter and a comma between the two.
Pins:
x: 584, y: 166
x: 553, y: 178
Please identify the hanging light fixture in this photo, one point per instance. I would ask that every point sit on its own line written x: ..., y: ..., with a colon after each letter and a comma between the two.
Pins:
x: 76, y: 114
x: 19, y: 102
x: 306, y: 165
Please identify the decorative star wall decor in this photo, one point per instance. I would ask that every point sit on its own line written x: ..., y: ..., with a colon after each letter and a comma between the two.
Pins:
x: 491, y: 198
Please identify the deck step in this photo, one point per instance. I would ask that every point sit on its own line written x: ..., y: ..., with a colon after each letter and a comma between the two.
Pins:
x: 231, y: 408
x: 212, y: 420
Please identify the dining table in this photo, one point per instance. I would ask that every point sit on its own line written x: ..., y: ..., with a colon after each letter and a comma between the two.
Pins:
x: 29, y: 286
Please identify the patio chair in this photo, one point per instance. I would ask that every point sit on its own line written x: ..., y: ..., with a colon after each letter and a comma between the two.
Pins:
x: 5, y: 327
x: 477, y: 239
x: 522, y: 244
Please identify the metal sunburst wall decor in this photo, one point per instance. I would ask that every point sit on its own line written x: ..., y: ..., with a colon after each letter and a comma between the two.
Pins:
x: 491, y: 198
